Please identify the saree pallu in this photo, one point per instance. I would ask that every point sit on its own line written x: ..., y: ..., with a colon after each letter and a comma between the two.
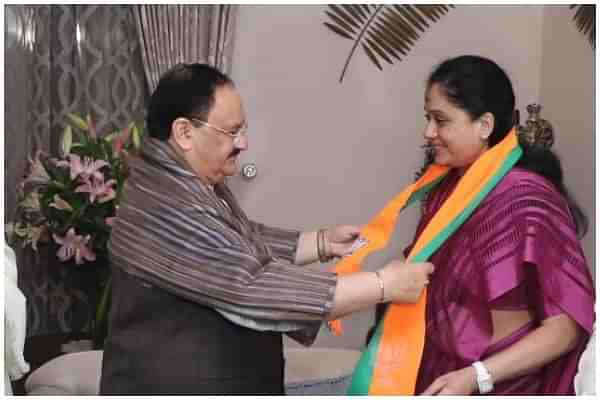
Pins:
x: 517, y: 251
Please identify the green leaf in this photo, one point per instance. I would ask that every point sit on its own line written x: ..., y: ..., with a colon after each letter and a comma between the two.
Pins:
x: 135, y: 138
x: 109, y: 138
x: 66, y: 141
x: 78, y: 121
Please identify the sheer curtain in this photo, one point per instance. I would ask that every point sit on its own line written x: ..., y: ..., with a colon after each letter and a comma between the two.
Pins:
x: 172, y: 34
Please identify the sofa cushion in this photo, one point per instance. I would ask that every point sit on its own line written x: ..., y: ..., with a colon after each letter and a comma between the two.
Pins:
x: 69, y: 374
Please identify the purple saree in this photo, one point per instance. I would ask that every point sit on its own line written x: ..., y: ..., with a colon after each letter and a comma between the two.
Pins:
x: 517, y: 251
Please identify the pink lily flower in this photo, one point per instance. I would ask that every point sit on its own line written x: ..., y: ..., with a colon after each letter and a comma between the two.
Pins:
x: 98, y: 189
x: 73, y: 245
x: 60, y: 204
x: 86, y: 168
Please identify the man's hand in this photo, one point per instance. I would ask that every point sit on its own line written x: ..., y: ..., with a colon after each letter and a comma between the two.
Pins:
x: 341, y: 238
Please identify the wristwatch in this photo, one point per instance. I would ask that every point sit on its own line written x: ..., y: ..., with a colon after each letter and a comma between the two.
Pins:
x: 484, y: 379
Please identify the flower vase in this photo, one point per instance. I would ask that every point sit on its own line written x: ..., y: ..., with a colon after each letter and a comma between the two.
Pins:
x: 85, y: 288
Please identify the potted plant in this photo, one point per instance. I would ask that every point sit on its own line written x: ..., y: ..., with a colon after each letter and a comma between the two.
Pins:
x: 71, y: 201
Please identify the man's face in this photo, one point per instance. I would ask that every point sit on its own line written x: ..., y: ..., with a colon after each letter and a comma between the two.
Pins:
x: 213, y: 154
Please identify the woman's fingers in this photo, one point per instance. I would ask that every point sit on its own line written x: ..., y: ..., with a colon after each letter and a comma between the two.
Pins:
x: 435, y: 387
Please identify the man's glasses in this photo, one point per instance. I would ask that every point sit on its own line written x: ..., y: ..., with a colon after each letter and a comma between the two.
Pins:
x: 235, y: 135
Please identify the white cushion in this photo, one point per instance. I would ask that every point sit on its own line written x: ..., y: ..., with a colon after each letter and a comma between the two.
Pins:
x: 585, y: 379
x: 69, y: 374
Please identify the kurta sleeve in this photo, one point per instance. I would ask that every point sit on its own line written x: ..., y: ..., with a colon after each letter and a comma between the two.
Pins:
x: 199, y: 257
x: 282, y: 242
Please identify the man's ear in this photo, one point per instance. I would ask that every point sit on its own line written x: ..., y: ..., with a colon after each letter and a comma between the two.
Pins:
x: 486, y: 122
x: 181, y: 133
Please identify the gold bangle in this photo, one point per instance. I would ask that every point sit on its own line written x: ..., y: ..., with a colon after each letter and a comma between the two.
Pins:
x: 320, y: 246
x: 323, y: 247
x: 381, y: 286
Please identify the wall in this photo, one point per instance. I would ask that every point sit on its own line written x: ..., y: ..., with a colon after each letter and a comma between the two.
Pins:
x: 330, y: 153
x: 567, y: 96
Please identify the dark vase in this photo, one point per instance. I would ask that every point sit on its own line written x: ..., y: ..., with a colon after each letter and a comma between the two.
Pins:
x: 83, y: 286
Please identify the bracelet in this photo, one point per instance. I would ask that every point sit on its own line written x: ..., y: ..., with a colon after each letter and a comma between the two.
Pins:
x: 381, y: 287
x: 322, y: 247
x: 485, y: 383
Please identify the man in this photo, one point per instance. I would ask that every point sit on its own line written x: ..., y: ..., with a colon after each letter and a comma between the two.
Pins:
x: 201, y: 294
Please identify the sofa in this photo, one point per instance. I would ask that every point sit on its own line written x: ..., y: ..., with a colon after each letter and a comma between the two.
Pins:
x: 312, y: 371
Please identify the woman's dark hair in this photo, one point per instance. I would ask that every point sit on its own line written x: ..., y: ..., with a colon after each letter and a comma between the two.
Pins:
x: 185, y: 90
x: 478, y: 85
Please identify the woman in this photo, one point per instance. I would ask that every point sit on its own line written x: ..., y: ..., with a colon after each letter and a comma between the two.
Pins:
x: 510, y: 307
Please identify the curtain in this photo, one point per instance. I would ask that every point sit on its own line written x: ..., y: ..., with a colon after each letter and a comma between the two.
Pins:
x: 172, y: 34
x: 61, y: 59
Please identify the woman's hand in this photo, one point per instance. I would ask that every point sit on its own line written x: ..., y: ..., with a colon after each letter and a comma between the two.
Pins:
x: 461, y: 382
x: 341, y: 238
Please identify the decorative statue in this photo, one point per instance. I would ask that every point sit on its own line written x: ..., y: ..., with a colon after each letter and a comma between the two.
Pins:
x: 536, y: 130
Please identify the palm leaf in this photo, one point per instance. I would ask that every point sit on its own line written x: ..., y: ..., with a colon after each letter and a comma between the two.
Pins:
x: 386, y: 33
x: 585, y: 20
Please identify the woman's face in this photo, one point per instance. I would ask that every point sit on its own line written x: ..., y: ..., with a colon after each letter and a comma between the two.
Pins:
x: 457, y: 140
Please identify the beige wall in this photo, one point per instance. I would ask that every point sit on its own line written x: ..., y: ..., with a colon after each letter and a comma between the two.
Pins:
x: 567, y: 96
x: 330, y: 153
